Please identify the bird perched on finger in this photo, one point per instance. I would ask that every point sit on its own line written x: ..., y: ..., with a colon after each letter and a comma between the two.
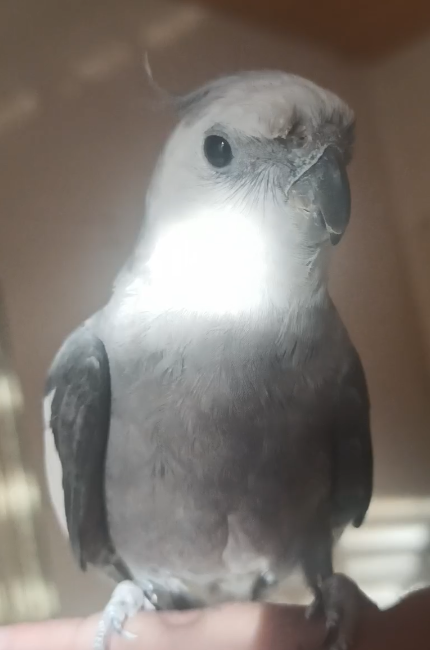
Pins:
x: 209, y: 426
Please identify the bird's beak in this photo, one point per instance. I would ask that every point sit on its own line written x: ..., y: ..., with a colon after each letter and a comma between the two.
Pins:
x: 325, y: 188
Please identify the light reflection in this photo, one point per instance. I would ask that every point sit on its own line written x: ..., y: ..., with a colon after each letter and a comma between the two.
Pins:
x: 103, y: 63
x: 167, y: 30
x: 388, y: 557
x: 213, y: 264
x: 109, y: 60
x: 31, y: 594
x: 395, y: 509
x: 17, y: 110
x: 10, y: 394
x: 383, y: 566
x: 386, y: 537
x: 19, y: 494
x: 384, y: 594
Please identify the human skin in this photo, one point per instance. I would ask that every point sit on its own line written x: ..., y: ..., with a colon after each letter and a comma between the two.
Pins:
x: 406, y: 626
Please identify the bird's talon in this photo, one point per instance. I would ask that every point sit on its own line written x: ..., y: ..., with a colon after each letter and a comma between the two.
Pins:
x: 333, y: 621
x: 341, y: 602
x: 339, y: 645
x: 152, y: 598
x: 126, y: 601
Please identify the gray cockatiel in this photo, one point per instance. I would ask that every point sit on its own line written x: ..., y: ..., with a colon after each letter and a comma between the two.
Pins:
x: 212, y: 420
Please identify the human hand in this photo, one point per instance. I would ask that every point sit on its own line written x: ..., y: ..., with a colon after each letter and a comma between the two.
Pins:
x: 234, y: 627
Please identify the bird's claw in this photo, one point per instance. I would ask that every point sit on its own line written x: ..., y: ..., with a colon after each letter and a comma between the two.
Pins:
x: 126, y: 601
x: 126, y: 634
x: 341, y: 602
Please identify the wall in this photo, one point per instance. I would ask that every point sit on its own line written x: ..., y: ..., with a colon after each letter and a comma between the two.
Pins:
x: 400, y: 94
x: 78, y: 142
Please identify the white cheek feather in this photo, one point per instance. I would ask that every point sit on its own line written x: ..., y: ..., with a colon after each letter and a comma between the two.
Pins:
x: 213, y: 264
x: 53, y: 469
x: 221, y: 264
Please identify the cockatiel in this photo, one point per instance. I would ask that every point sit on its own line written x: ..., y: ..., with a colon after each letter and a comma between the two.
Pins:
x: 211, y: 422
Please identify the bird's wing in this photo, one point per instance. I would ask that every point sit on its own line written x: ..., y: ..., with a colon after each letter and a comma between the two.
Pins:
x: 353, y: 455
x: 78, y: 415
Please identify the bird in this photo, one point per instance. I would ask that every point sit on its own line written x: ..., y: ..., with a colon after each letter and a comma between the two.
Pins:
x: 207, y: 431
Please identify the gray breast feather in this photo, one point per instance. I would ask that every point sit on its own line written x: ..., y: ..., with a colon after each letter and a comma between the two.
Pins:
x: 203, y: 465
x: 221, y: 430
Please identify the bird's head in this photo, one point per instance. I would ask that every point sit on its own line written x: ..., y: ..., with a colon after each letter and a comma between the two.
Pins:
x: 257, y: 160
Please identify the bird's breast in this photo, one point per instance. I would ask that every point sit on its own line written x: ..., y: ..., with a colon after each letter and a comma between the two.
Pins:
x: 218, y: 452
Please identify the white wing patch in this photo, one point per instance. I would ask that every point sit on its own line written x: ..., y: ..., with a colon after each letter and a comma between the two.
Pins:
x: 53, y: 468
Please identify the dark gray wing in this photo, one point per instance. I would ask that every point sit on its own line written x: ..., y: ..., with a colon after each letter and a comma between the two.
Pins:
x: 353, y: 455
x: 80, y: 418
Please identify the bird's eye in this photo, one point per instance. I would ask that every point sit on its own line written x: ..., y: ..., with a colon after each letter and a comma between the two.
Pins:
x: 218, y: 151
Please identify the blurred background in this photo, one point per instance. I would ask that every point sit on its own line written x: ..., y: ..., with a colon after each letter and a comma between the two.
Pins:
x: 78, y: 139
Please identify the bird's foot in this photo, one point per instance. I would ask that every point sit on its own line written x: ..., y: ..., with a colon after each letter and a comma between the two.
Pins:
x: 126, y: 601
x: 341, y: 602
